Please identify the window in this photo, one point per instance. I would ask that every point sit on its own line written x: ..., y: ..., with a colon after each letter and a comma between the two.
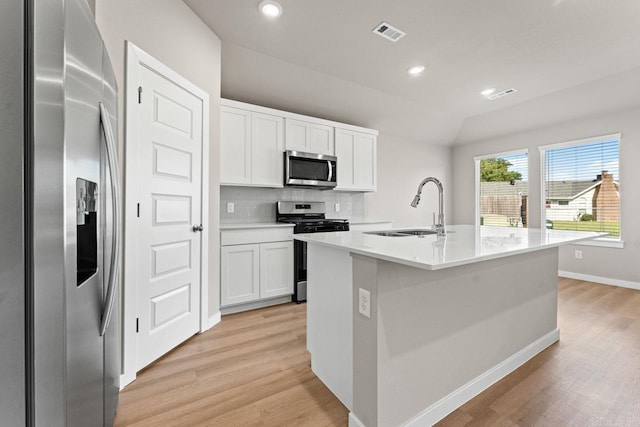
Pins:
x: 502, y: 190
x: 581, y: 185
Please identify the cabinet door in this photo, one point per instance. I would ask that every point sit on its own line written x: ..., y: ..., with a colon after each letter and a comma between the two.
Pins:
x: 239, y: 274
x: 297, y: 135
x: 321, y: 140
x: 235, y: 146
x: 365, y: 169
x: 345, y: 145
x: 267, y: 148
x: 276, y: 269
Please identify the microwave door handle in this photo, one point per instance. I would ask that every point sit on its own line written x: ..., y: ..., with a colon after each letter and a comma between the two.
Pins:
x: 330, y: 170
x: 115, y: 238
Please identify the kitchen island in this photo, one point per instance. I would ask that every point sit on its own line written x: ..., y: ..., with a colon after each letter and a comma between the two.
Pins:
x: 404, y: 329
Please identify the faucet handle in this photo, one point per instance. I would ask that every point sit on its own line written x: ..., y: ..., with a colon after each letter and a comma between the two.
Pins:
x: 433, y: 223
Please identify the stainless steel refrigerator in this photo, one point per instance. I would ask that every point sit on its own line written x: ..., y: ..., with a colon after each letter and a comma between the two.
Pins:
x: 59, y: 218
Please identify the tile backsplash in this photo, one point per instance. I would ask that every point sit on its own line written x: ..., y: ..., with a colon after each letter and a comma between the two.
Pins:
x: 254, y: 204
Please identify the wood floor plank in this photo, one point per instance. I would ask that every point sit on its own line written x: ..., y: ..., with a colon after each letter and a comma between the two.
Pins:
x: 253, y: 370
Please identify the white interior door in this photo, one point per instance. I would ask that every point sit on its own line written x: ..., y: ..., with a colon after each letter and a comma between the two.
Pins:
x: 170, y: 131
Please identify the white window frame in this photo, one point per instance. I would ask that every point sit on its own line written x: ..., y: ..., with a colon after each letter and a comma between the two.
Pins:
x: 606, y: 242
x: 477, y: 160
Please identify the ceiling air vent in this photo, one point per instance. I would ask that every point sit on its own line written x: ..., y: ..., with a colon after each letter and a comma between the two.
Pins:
x: 389, y: 32
x: 501, y: 94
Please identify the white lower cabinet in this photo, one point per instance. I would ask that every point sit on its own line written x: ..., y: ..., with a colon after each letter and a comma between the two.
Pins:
x: 240, y: 270
x: 252, y: 272
x: 276, y: 269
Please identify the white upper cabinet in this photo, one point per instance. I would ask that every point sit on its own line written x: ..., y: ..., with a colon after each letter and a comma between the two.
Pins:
x: 308, y: 137
x: 356, y: 152
x: 235, y: 147
x: 267, y: 148
x: 365, y: 162
x: 254, y: 138
x: 322, y: 139
x: 297, y: 135
x: 251, y: 148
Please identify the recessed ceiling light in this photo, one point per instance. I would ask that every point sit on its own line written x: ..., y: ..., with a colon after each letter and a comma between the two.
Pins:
x: 270, y: 8
x: 502, y: 93
x: 488, y: 91
x: 415, y: 70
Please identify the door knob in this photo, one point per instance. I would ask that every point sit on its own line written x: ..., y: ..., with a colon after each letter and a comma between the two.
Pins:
x: 197, y: 228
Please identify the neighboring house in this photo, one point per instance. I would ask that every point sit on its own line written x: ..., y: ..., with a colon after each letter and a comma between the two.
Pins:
x: 504, y: 203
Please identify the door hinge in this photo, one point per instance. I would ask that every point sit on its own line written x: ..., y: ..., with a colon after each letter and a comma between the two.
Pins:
x: 138, y: 210
x: 139, y: 94
x: 137, y: 324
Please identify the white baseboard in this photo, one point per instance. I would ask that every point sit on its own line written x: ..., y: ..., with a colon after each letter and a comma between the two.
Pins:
x: 126, y: 379
x: 354, y: 421
x: 598, y: 279
x: 213, y: 320
x: 451, y: 402
x: 255, y: 304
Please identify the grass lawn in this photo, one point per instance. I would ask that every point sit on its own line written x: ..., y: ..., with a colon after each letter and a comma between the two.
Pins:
x: 608, y: 227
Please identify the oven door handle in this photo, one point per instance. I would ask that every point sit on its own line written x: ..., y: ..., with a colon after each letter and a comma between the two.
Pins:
x: 330, y: 171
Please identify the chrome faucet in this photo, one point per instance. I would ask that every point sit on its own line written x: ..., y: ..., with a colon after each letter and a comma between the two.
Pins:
x: 439, y: 226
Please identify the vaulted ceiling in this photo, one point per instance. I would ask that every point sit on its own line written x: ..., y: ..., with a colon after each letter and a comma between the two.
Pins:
x: 566, y: 58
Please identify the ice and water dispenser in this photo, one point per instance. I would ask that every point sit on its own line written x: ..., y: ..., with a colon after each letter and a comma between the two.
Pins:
x: 86, y: 229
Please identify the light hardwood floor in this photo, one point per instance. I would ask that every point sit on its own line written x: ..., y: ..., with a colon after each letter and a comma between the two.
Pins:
x: 253, y: 370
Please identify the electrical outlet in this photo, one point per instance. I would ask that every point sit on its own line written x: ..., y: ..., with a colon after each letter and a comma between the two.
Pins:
x: 364, y: 302
x: 578, y: 254
x: 231, y: 207
x: 337, y: 207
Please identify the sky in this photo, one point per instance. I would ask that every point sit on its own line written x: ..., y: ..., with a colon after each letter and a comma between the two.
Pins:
x: 519, y: 163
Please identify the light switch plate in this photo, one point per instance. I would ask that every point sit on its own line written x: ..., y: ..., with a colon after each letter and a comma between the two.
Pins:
x: 337, y: 207
x: 231, y: 207
x: 364, y: 302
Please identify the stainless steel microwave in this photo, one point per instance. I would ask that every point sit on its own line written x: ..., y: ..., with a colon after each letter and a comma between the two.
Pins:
x: 310, y: 170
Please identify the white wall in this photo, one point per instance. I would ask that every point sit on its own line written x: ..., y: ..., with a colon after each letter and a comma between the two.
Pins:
x: 173, y: 34
x: 402, y: 165
x: 617, y: 264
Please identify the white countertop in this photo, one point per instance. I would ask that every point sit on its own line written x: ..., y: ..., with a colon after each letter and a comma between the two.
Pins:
x: 254, y: 225
x: 358, y: 221
x: 464, y: 244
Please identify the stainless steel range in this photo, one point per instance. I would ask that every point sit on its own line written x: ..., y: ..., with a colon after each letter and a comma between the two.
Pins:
x: 308, y: 217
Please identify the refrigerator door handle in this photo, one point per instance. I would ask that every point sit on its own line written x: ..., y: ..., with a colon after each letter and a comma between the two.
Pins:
x: 112, y: 157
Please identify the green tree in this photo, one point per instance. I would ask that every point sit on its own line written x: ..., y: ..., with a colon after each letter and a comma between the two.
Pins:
x: 497, y: 170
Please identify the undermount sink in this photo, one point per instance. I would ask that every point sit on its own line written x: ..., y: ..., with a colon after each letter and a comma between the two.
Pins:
x: 401, y: 233
x: 387, y: 233
x: 417, y: 232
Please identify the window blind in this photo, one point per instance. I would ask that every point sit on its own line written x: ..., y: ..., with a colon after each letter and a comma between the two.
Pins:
x: 581, y: 186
